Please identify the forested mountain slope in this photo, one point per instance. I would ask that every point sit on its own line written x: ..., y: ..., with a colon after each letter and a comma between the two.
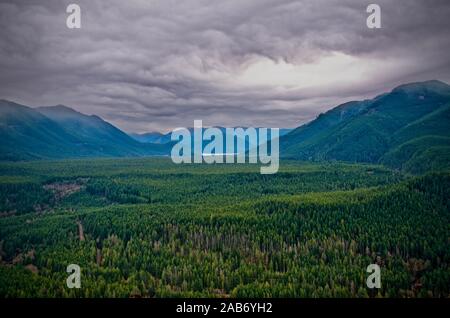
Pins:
x: 411, y: 121
x: 60, y: 132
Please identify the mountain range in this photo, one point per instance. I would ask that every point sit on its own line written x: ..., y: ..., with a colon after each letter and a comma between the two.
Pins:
x: 407, y: 129
x: 158, y: 138
x: 61, y: 132
x: 152, y: 137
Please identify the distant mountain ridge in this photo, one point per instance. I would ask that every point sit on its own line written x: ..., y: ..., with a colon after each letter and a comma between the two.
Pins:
x: 158, y: 138
x: 61, y: 132
x: 407, y: 128
x: 152, y: 137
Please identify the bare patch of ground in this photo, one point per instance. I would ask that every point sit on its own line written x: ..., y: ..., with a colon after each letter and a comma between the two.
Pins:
x: 21, y: 257
x: 99, y: 257
x: 32, y: 268
x: 7, y: 213
x: 62, y: 189
x: 80, y: 231
x: 2, y: 253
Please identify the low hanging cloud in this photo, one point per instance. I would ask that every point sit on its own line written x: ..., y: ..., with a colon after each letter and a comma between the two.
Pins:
x: 157, y: 65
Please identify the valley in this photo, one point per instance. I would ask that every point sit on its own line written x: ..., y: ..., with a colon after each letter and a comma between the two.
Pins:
x: 146, y: 227
x: 365, y: 183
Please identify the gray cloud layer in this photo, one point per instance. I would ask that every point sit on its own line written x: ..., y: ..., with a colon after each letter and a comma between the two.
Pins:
x: 157, y: 65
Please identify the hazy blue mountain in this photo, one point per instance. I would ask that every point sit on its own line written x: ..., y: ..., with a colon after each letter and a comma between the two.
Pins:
x: 407, y: 128
x: 27, y: 134
x: 152, y: 137
x: 61, y: 132
x: 95, y: 134
x: 392, y: 128
x: 158, y: 138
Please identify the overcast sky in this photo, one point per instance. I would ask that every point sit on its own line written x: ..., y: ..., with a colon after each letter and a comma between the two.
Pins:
x: 160, y: 64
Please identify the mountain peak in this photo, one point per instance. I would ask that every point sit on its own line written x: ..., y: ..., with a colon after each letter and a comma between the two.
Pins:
x: 5, y: 102
x: 9, y: 107
x: 59, y: 109
x: 419, y: 87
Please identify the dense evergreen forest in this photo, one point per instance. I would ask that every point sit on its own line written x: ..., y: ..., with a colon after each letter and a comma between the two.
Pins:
x: 150, y: 228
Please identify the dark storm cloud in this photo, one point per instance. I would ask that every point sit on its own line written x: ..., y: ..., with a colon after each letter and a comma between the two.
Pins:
x: 148, y: 65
